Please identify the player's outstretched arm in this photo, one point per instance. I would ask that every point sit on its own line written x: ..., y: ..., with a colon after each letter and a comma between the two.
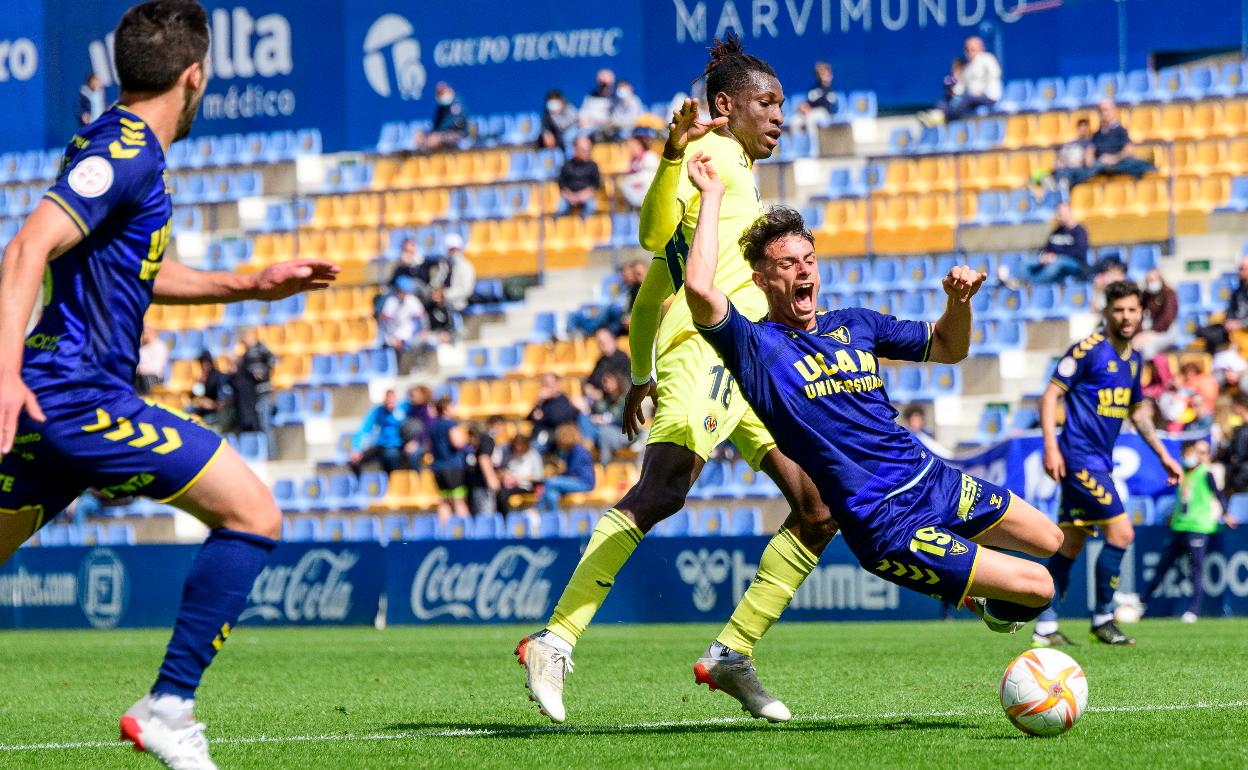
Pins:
x: 707, y: 303
x: 1054, y: 463
x: 47, y: 233
x: 1142, y: 417
x: 951, y: 334
x: 643, y: 326
x: 177, y: 284
x: 661, y: 209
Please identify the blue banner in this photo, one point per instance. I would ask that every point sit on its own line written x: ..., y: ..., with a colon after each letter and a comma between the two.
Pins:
x: 1017, y: 463
x: 140, y: 586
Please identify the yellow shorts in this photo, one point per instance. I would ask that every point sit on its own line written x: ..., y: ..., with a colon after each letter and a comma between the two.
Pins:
x: 699, y: 405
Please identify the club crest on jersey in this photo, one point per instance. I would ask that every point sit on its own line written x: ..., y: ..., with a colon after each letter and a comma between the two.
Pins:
x: 710, y: 423
x: 956, y: 548
x: 840, y: 334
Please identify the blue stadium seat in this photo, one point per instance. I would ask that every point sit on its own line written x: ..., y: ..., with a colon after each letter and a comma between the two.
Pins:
x: 54, y: 535
x: 711, y: 482
x: 989, y: 133
x: 959, y: 136
x: 1079, y: 91
x: 1077, y: 295
x: 316, y: 492
x: 853, y: 272
x: 1014, y: 96
x: 983, y: 261
x: 366, y: 529
x: 1239, y: 195
x: 1223, y: 287
x: 1164, y: 507
x: 931, y: 139
x: 286, y: 493
x: 344, y: 492
x: 945, y: 381
x: 397, y: 528
x: 302, y: 530
x: 1169, y: 83
x: 545, y: 327
x: 1231, y: 80
x: 1141, y: 509
x: 253, y: 447
x: 487, y: 526
x: 552, y: 524
x: 873, y: 174
x: 992, y: 208
x: 884, y: 273
x: 676, y: 525
x: 1191, y: 295
x: 119, y: 533
x: 1201, y: 81
x: 1043, y: 303
x: 581, y: 522
x: 1045, y: 94
x: 915, y: 305
x: 746, y: 522
x: 860, y: 104
x: 334, y: 529
x: 1025, y: 418
x: 517, y: 525
x: 916, y: 272
x: 1136, y: 86
x: 710, y: 522
x: 458, y: 528
x: 909, y: 383
x: 1108, y: 86
x: 992, y: 423
x: 287, y: 407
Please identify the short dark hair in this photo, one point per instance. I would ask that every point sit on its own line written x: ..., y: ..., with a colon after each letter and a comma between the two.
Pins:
x: 156, y: 41
x: 730, y: 69
x: 1240, y: 399
x: 912, y: 410
x: 777, y: 223
x: 1083, y: 122
x: 1120, y: 289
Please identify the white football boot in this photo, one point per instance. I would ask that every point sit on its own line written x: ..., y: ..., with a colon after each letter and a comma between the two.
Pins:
x: 738, y: 678
x: 980, y: 607
x: 546, y: 668
x: 178, y: 742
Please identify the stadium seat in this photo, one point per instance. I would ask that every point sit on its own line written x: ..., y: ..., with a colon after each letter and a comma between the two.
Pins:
x: 458, y: 528
x: 301, y: 530
x: 581, y: 522
x: 711, y: 481
x: 746, y: 522
x: 119, y: 533
x: 487, y: 526
x: 552, y: 524
x: 335, y: 529
x: 676, y: 525
x: 710, y: 522
x: 1141, y: 509
x: 1015, y: 96
x: 367, y: 529
x: 423, y: 527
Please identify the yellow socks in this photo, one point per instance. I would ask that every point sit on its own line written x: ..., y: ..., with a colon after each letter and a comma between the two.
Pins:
x: 612, y: 542
x: 785, y: 564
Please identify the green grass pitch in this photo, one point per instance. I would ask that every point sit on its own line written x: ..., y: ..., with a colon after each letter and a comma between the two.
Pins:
x: 869, y: 696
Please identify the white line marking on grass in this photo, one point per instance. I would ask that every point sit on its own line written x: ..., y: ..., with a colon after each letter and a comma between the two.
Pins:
x: 487, y: 732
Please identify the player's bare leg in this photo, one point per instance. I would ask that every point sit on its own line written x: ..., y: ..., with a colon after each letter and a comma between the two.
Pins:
x: 245, y: 523
x: 1007, y: 591
x: 1024, y: 529
x: 667, y: 473
x: 728, y: 664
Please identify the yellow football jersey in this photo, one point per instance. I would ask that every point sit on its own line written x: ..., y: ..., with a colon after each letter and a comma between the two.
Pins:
x: 741, y: 206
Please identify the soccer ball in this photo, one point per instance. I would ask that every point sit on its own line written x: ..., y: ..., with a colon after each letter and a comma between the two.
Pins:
x: 1044, y: 692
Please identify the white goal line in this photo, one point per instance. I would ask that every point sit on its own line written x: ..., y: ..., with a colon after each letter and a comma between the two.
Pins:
x: 486, y: 732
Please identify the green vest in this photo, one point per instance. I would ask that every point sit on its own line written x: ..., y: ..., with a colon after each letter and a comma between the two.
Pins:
x: 1196, y: 510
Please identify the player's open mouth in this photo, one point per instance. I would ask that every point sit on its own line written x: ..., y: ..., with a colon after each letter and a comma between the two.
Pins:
x: 773, y: 136
x: 804, y: 297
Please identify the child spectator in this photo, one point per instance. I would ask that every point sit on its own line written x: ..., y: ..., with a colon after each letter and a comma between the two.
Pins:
x: 522, y: 472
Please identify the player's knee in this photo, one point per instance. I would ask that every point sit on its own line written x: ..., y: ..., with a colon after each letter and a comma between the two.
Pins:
x: 1036, y: 585
x: 1048, y: 540
x: 815, y: 524
x: 1120, y: 534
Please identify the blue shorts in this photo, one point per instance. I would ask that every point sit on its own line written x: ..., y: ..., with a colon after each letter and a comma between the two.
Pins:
x: 1089, y: 498
x: 922, y: 536
x: 112, y: 441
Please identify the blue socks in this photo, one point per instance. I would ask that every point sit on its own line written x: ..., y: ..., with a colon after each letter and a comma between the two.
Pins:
x: 1108, y: 565
x: 1012, y: 611
x: 213, y: 597
x: 1059, y: 568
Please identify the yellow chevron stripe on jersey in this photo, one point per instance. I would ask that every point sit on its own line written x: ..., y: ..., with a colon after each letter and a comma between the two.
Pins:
x: 115, y: 150
x: 135, y: 125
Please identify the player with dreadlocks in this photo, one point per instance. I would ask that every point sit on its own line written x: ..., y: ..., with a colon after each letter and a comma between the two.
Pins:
x: 696, y: 406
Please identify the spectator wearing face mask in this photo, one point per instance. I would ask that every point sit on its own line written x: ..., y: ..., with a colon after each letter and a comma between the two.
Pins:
x: 625, y: 111
x: 450, y: 120
x: 1161, y: 308
x: 559, y: 121
x: 595, y: 114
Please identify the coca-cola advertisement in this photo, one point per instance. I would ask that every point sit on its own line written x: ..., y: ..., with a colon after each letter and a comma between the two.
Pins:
x: 318, y: 584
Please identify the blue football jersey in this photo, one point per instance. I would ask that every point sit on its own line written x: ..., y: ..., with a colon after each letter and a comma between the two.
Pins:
x: 1101, y: 387
x: 821, y: 395
x: 112, y: 184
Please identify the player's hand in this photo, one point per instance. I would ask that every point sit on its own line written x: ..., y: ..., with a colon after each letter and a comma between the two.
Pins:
x: 1174, y: 470
x: 634, y: 421
x: 288, y: 278
x: 685, y: 127
x: 704, y: 176
x: 14, y: 397
x: 963, y: 282
x: 1054, y: 464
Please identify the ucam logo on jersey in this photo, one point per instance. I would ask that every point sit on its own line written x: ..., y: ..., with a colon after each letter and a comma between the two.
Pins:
x: 392, y: 58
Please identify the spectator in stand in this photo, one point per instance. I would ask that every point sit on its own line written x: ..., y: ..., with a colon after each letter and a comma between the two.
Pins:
x: 210, y: 394
x: 559, y: 121
x: 482, y: 477
x: 1073, y: 156
x: 1216, y: 335
x: 604, y: 425
x: 450, y: 120
x: 1108, y: 270
x: 818, y: 106
x: 950, y: 85
x: 1235, y: 454
x: 575, y: 466
x: 579, y: 180
x: 552, y: 411
x: 633, y: 274
x: 1161, y: 308
x: 448, y: 446
x: 1228, y: 366
x: 411, y: 263
x: 91, y: 103
x: 625, y: 111
x: 615, y: 312
x: 253, y: 389
x: 418, y: 415
x: 978, y: 86
x: 1110, y: 151
x: 610, y: 360
x: 643, y: 162
x: 402, y: 316
x: 595, y: 114
x: 522, y: 472
x: 462, y: 279
x: 1190, y: 400
x: 443, y: 319
x: 380, y: 437
x: 1065, y: 253
x: 915, y: 420
x: 153, y: 360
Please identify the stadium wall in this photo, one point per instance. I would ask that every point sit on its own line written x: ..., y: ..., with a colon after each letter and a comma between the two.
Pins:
x: 508, y: 581
x: 347, y: 67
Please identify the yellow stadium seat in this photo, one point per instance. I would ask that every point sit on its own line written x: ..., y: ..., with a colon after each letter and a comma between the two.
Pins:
x: 844, y: 228
x: 472, y: 394
x: 1176, y: 122
x: 1146, y: 123
x: 385, y: 173
x: 900, y: 176
x: 1237, y: 156
x: 1234, y: 118
x: 1211, y: 156
x: 934, y: 174
x: 1020, y: 131
x: 533, y: 362
x: 1206, y: 120
x: 1051, y: 128
x: 1016, y: 171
